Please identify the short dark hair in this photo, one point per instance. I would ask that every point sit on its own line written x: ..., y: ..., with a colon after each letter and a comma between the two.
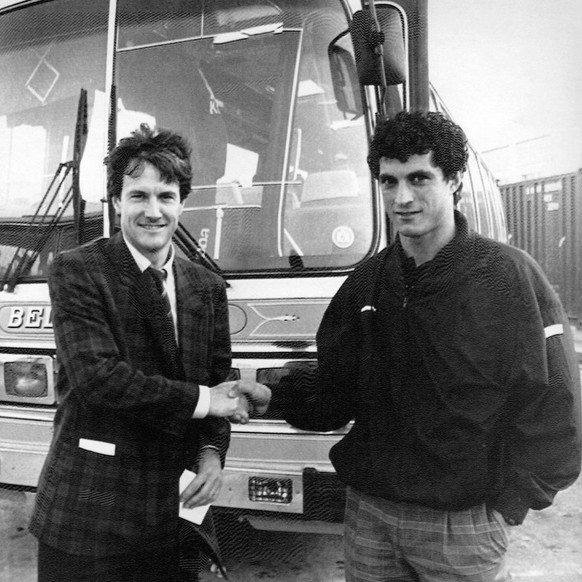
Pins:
x: 167, y: 151
x: 420, y: 132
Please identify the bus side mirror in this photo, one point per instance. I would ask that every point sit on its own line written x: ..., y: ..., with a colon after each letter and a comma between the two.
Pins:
x: 366, y: 38
x: 344, y: 78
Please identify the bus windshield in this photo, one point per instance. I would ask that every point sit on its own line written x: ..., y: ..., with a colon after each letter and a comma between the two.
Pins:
x: 48, y: 53
x: 280, y: 175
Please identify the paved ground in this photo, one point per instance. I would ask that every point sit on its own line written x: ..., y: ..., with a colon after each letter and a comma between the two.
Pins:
x: 17, y: 546
x: 547, y: 548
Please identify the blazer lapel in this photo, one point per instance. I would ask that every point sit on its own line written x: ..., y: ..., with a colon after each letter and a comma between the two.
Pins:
x: 192, y: 301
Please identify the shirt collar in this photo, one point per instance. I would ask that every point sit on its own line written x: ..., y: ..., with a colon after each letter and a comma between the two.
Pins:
x: 143, y: 262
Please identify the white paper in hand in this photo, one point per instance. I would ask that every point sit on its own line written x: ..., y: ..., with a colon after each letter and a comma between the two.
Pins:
x: 196, y: 514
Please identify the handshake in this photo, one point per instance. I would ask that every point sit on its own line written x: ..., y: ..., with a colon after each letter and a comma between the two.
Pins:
x: 237, y: 400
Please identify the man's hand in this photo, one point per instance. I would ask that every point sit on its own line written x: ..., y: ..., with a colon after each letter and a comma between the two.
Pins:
x: 205, y: 487
x: 257, y: 399
x: 238, y: 399
x: 224, y: 399
x: 243, y: 412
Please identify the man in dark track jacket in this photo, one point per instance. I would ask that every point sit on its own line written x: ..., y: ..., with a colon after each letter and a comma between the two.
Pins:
x: 453, y: 356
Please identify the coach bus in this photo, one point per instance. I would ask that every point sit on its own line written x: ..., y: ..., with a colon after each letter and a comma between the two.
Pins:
x: 279, y: 99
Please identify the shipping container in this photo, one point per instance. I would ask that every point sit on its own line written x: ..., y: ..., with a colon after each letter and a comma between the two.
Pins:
x: 544, y: 218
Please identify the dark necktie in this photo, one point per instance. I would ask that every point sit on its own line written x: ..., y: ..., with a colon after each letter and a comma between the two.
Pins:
x: 159, y: 277
x: 163, y: 308
x: 163, y: 313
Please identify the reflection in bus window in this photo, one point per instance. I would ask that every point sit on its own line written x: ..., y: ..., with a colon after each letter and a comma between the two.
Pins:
x: 330, y: 197
x: 484, y: 218
x: 496, y: 208
x: 48, y: 53
x: 466, y: 204
x: 280, y: 173
x: 487, y: 187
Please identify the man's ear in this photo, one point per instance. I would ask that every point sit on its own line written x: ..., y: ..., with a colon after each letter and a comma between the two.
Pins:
x: 455, y: 182
x: 116, y: 204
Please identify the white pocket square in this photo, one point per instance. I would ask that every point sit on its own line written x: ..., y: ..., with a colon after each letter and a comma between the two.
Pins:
x: 97, y: 447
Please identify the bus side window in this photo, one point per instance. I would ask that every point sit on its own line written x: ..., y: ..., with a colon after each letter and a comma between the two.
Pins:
x: 494, y: 229
x: 484, y: 218
x: 466, y: 204
x: 497, y: 209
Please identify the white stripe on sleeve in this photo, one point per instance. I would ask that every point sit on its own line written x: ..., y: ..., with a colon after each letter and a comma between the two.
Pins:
x: 556, y: 329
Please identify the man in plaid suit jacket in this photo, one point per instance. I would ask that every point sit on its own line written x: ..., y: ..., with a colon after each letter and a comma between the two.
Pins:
x: 135, y: 407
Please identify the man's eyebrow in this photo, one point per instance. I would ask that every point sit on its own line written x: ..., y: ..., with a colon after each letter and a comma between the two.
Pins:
x: 160, y: 193
x: 412, y: 174
x: 420, y: 173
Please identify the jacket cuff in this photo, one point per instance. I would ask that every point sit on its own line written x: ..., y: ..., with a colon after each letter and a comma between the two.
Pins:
x: 215, y: 434
x: 512, y: 505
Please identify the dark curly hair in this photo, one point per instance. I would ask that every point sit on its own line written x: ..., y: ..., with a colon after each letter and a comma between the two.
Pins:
x: 167, y: 151
x: 419, y: 132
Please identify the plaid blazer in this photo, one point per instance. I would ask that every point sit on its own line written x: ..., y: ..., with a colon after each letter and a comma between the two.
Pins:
x: 123, y: 430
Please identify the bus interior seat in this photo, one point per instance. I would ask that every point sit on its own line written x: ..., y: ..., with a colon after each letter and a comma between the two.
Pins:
x: 328, y: 202
x: 326, y: 187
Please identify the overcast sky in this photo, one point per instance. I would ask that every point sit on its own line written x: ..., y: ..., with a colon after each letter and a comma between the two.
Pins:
x: 511, y: 73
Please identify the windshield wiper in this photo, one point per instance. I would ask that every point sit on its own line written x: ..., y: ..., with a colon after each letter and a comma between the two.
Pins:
x: 81, y: 132
x: 25, y: 256
x: 192, y: 249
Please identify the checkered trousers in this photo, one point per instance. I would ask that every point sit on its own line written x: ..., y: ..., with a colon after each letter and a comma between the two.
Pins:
x: 386, y: 541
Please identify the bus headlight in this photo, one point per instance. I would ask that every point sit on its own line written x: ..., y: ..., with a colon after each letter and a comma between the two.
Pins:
x: 26, y: 379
